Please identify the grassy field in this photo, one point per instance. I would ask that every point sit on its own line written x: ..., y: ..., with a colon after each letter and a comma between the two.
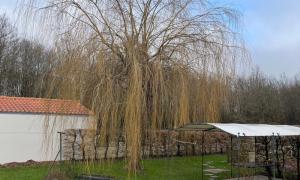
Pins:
x: 178, y: 168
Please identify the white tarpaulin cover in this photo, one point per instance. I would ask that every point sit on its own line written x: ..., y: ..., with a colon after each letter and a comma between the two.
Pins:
x: 257, y: 129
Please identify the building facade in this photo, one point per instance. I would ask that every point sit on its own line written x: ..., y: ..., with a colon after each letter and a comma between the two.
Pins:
x: 29, y: 127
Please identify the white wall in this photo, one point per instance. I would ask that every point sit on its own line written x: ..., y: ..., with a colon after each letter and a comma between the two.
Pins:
x: 23, y: 137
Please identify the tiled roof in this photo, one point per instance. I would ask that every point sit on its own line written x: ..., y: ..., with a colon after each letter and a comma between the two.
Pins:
x: 41, y: 106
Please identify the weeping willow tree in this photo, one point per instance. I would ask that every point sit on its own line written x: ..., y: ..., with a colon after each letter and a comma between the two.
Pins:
x: 141, y: 65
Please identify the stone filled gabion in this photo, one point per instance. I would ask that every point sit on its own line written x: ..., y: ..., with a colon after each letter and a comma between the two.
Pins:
x: 80, y: 144
x: 263, y: 150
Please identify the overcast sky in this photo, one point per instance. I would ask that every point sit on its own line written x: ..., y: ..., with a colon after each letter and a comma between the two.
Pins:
x: 271, y: 29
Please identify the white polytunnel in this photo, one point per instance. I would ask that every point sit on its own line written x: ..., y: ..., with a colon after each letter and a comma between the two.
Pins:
x: 257, y: 129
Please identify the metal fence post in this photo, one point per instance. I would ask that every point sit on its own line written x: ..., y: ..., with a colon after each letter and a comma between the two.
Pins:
x: 238, y: 154
x: 298, y: 158
x: 202, y: 154
x: 60, y: 145
x: 231, y: 161
x: 274, y: 156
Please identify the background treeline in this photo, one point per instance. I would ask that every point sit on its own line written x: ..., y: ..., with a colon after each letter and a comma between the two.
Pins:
x: 26, y: 70
x: 24, y: 64
x: 261, y: 99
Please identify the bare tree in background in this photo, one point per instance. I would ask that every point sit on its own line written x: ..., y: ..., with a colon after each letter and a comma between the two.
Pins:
x: 8, y: 44
x: 34, y: 62
x: 258, y: 98
x: 24, y: 64
x: 141, y: 65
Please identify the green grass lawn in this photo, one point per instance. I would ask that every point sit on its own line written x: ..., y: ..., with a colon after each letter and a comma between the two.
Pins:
x: 178, y: 168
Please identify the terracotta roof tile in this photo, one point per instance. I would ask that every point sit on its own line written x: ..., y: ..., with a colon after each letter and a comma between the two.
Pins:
x: 41, y: 106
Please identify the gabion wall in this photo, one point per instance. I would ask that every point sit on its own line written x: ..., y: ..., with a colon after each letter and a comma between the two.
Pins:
x: 81, y: 144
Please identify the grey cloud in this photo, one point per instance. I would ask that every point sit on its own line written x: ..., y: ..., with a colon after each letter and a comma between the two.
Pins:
x: 272, y: 32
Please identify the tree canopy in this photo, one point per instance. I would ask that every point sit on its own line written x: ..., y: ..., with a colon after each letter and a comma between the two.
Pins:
x: 141, y: 65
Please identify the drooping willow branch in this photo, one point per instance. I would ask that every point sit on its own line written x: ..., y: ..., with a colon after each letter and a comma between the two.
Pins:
x: 142, y: 65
